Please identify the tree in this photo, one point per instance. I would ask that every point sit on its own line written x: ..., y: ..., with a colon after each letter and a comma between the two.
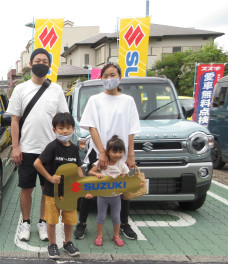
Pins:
x: 180, y: 66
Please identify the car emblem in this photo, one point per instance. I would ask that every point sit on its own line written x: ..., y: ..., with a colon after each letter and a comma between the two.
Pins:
x: 147, y: 146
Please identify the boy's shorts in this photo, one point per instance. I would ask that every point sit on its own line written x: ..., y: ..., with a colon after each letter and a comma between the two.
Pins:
x: 52, y: 213
x: 28, y: 173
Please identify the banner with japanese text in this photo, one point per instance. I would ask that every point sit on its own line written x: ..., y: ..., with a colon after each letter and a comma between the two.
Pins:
x: 206, y: 79
x: 48, y: 35
x: 133, y: 46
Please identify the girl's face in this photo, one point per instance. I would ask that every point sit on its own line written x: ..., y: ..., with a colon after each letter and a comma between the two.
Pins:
x: 111, y: 72
x: 115, y: 156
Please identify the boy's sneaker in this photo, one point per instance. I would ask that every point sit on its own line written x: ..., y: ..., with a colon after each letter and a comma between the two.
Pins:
x: 53, y: 251
x: 25, y: 231
x: 71, y: 249
x: 42, y: 230
x: 80, y: 231
x: 128, y: 232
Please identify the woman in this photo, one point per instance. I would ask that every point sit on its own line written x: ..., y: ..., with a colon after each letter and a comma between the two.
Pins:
x: 106, y: 114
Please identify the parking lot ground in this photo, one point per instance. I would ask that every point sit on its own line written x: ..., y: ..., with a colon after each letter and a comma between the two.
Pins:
x: 165, y: 232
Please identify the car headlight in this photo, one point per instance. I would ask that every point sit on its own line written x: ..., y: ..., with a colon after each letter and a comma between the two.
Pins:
x: 199, y: 143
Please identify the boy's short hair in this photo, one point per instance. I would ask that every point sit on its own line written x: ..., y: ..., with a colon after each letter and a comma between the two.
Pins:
x: 63, y: 119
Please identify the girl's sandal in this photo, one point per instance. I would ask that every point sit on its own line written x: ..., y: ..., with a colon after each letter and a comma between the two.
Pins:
x: 98, y: 241
x: 119, y: 242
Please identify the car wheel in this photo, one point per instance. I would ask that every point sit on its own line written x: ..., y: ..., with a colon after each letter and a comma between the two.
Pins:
x: 216, y: 156
x: 196, y: 204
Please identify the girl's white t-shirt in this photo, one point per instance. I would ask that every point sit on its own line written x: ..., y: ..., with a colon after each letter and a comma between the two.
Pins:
x: 115, y: 170
x: 110, y: 115
x: 37, y: 130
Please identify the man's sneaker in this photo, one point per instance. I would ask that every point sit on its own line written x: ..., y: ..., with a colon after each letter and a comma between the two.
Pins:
x: 71, y: 249
x: 42, y: 230
x: 80, y: 231
x: 128, y: 232
x: 53, y: 251
x: 25, y: 231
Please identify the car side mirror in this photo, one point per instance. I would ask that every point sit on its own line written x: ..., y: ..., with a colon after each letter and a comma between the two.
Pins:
x: 5, y: 120
x: 188, y: 113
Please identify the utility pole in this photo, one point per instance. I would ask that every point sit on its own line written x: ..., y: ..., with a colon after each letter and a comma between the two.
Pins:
x: 147, y: 7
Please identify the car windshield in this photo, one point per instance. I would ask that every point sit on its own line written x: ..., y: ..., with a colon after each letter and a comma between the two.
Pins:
x: 153, y: 101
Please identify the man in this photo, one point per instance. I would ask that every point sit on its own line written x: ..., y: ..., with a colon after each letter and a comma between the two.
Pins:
x: 36, y: 133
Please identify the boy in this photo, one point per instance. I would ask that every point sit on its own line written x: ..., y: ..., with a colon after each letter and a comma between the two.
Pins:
x: 57, y: 153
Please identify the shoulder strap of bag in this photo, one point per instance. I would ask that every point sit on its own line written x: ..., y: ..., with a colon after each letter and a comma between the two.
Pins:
x: 30, y: 105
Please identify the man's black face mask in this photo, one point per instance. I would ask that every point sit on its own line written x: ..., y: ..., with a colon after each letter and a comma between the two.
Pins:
x: 40, y: 70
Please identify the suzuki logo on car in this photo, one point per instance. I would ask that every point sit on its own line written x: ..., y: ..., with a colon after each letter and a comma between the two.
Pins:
x: 147, y: 146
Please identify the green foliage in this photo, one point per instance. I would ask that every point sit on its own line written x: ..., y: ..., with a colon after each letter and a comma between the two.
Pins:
x: 180, y: 66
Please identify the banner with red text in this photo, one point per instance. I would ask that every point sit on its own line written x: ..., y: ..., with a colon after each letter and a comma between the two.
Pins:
x: 133, y: 46
x: 206, y: 79
x: 48, y: 35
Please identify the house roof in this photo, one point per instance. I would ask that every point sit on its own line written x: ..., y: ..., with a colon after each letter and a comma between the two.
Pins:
x: 70, y: 70
x: 156, y: 30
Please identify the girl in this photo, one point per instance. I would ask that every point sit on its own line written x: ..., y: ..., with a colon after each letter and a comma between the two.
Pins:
x: 115, y: 151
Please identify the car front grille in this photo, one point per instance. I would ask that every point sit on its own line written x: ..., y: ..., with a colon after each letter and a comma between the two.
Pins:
x: 149, y: 146
x: 164, y: 186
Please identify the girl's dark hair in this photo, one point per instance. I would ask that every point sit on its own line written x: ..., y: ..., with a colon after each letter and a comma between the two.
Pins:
x: 115, y: 144
x: 111, y: 64
x: 63, y: 119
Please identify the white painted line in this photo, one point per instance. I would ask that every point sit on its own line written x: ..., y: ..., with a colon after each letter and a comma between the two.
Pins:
x: 184, y: 219
x: 24, y: 245
x: 133, y: 225
x: 220, y: 184
x: 217, y: 197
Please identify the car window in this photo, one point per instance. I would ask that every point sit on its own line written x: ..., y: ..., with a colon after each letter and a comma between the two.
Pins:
x: 156, y: 98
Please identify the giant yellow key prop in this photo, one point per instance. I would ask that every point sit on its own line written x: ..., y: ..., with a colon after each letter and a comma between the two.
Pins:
x: 75, y: 186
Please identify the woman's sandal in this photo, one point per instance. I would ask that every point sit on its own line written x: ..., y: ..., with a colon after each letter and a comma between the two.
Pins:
x: 98, y: 241
x: 119, y: 242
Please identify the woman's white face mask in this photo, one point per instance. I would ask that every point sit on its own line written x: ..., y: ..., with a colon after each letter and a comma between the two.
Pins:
x: 111, y: 83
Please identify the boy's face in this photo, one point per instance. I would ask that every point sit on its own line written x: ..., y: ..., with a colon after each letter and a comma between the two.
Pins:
x: 64, y: 130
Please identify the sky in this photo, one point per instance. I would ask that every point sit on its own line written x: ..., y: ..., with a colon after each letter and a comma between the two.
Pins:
x: 199, y: 14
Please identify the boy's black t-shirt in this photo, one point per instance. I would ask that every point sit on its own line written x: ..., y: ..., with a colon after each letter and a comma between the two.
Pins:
x: 54, y: 155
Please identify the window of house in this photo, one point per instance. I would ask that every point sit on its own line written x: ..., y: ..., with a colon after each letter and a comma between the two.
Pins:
x: 176, y: 49
x: 100, y: 56
x: 166, y: 50
x: 71, y: 62
x: 65, y: 48
x: 155, y: 51
x: 86, y: 59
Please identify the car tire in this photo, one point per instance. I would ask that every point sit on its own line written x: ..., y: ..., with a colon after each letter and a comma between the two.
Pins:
x: 196, y: 204
x: 216, y: 156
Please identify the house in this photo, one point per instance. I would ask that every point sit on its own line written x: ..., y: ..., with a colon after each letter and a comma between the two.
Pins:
x: 102, y: 48
x: 67, y: 73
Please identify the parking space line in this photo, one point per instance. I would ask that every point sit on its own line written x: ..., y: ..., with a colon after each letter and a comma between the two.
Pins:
x: 217, y: 197
x: 183, y: 219
x: 136, y: 229
x: 25, y: 245
x: 220, y: 184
